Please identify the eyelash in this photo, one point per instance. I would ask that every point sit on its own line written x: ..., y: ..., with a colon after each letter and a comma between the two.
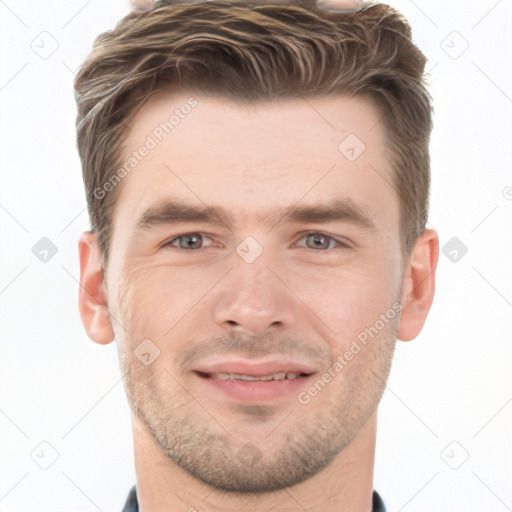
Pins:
x: 341, y: 245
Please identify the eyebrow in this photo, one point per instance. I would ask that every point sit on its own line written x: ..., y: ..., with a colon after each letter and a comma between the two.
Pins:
x: 339, y: 210
x: 174, y: 212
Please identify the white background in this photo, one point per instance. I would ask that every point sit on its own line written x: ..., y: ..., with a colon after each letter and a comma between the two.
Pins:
x: 450, y: 393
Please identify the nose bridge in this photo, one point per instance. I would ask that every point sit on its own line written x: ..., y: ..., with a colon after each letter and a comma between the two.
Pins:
x: 253, y: 298
x: 257, y: 288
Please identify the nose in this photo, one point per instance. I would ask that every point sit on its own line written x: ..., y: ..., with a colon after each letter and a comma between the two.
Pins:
x: 253, y: 298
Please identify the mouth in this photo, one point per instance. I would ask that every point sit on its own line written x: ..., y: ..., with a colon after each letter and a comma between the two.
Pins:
x: 249, y: 380
x: 279, y: 376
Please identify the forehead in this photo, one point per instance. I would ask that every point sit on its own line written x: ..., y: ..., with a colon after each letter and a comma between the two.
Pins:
x: 253, y: 157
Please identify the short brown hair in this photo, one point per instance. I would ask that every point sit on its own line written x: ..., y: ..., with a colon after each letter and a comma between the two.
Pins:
x: 250, y: 51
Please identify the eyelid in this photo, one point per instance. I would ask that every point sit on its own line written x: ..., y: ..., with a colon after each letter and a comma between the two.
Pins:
x: 169, y: 241
x: 340, y: 243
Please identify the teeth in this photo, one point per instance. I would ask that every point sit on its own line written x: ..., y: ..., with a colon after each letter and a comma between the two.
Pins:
x: 263, y: 377
x: 236, y: 376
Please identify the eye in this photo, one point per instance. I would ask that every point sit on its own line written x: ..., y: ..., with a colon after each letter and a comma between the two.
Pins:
x: 187, y: 241
x: 321, y: 241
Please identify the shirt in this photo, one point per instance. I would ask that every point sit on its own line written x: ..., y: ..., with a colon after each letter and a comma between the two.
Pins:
x: 132, y: 505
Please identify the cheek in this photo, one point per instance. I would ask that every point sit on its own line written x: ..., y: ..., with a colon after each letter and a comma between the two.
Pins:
x: 157, y: 298
x: 349, y: 300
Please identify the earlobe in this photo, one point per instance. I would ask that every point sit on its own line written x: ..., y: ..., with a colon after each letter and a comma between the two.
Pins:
x: 418, y: 285
x: 92, y: 297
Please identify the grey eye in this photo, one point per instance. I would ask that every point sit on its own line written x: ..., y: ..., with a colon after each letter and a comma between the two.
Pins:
x: 190, y: 241
x: 318, y: 241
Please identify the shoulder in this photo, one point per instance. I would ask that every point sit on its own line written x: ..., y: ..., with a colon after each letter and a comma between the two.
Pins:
x: 131, y: 504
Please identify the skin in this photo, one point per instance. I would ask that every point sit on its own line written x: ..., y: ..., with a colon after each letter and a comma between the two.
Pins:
x: 294, y: 299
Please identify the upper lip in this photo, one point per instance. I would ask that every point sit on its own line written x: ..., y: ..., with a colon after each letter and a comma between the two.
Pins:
x: 254, y: 368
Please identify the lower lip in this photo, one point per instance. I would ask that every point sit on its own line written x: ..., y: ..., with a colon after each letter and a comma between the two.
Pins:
x: 250, y: 390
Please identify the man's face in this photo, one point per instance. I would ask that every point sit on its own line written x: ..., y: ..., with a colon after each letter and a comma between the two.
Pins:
x: 258, y: 282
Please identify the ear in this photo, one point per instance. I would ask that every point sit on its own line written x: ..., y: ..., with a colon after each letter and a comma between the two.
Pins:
x: 418, y: 285
x: 92, y: 296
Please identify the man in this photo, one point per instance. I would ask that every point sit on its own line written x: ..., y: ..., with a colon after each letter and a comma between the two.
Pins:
x: 257, y: 178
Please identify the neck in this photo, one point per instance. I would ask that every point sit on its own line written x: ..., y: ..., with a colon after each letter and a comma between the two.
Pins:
x: 346, y: 485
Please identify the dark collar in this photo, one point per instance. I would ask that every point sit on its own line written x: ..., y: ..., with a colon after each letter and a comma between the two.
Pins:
x: 132, y: 504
